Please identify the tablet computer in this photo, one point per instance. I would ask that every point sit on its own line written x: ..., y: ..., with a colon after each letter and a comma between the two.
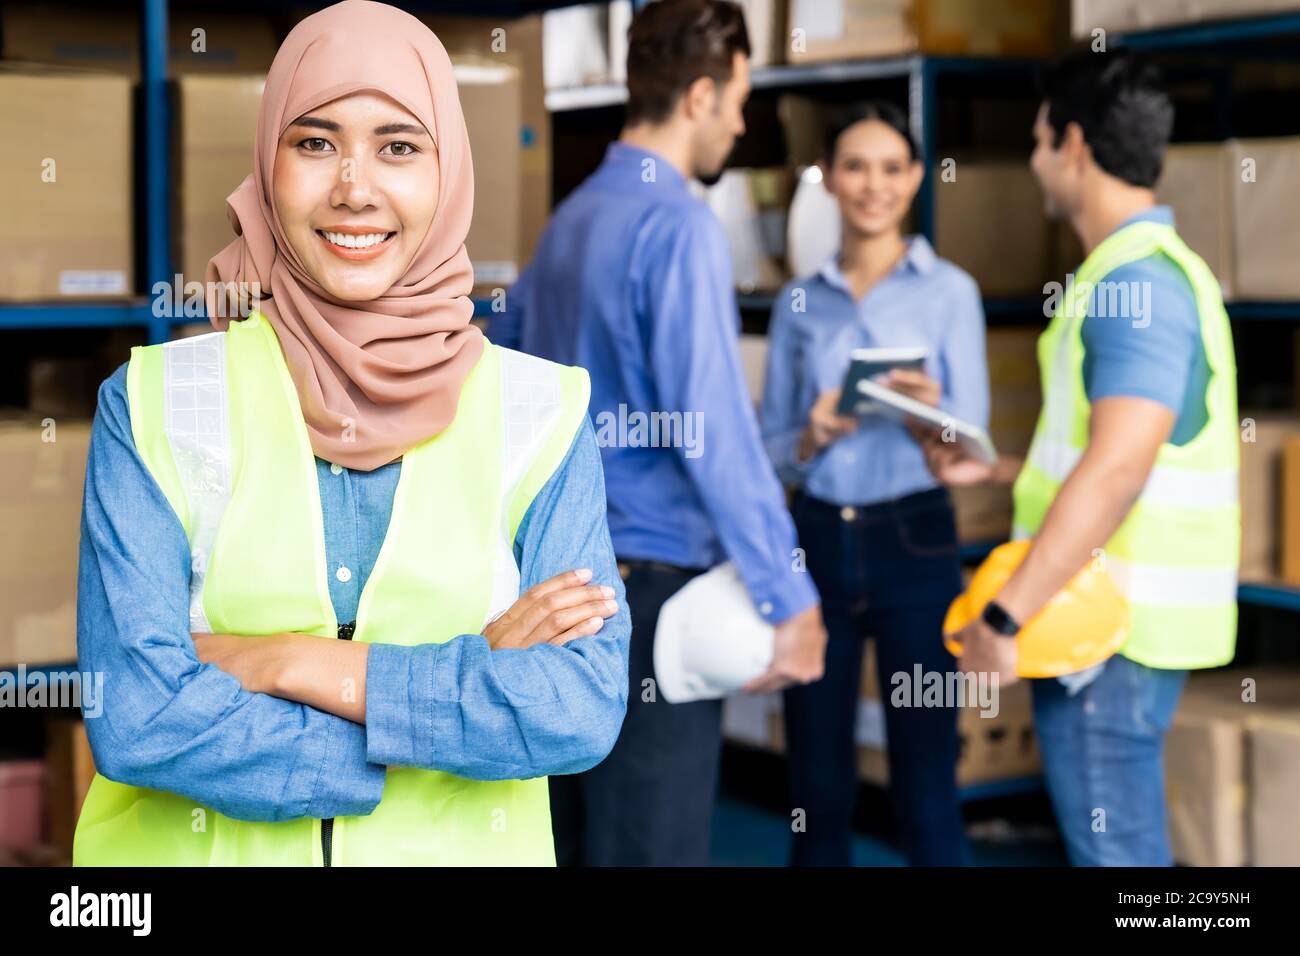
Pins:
x: 866, y: 364
x: 973, y: 440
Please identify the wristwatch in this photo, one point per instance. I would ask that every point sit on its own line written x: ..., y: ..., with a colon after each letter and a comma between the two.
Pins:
x: 996, y: 617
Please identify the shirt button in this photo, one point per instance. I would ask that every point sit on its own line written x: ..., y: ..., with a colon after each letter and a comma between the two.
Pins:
x: 765, y: 607
x: 848, y: 513
x: 343, y: 574
x: 335, y: 468
x: 850, y: 457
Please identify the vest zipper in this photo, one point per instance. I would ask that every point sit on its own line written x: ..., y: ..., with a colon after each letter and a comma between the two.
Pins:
x: 327, y: 826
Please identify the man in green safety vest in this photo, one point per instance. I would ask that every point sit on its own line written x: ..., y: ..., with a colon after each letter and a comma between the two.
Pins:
x: 1134, y: 462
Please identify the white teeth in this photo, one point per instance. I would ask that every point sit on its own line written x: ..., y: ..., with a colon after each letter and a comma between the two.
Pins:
x: 355, y: 242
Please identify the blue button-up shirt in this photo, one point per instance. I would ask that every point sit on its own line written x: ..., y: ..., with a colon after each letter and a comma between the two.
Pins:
x: 632, y: 279
x: 924, y: 301
x: 171, y: 723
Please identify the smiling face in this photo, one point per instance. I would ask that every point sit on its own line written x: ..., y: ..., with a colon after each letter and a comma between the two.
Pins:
x: 873, y: 178
x: 356, y: 187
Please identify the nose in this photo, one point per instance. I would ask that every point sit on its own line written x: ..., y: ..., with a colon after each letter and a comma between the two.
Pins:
x: 352, y: 187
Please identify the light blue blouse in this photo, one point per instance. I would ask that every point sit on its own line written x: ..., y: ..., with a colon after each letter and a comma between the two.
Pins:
x: 816, y: 322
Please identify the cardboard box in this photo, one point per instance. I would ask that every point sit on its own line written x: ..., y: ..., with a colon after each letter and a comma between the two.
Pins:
x: 1291, y: 511
x: 1129, y: 15
x: 984, y: 511
x: 1208, y: 776
x: 216, y: 124
x: 69, y: 767
x: 1275, y: 782
x: 489, y: 96
x: 1264, y: 180
x: 843, y: 29
x: 41, y: 483
x: 109, y: 40
x: 1195, y: 185
x: 68, y: 217
x: 518, y: 43
x: 1263, y: 436
x: 995, y: 198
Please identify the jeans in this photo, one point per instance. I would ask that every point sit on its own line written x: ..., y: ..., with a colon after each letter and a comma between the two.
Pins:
x: 650, y: 802
x: 1103, y: 754
x: 889, y: 571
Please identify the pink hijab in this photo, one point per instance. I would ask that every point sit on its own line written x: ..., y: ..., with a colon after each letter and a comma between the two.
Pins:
x: 374, y: 378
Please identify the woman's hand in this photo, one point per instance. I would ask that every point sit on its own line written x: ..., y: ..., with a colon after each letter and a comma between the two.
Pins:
x: 914, y: 384
x: 825, y: 425
x: 258, y: 662
x: 554, y: 612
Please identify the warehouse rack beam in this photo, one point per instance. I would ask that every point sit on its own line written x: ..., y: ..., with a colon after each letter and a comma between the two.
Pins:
x: 1213, y: 35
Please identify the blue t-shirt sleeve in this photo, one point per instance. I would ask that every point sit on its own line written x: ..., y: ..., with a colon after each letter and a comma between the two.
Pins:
x: 1142, y: 336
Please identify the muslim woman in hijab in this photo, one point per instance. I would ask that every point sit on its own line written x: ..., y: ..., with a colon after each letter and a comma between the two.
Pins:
x: 344, y: 563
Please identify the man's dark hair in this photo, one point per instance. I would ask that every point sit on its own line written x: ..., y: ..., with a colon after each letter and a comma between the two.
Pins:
x: 1119, y: 101
x: 881, y: 110
x: 671, y: 44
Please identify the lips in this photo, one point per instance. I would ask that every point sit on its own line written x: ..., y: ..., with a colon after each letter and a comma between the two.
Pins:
x: 356, y: 243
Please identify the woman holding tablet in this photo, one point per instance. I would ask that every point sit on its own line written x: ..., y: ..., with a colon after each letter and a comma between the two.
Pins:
x: 877, y: 531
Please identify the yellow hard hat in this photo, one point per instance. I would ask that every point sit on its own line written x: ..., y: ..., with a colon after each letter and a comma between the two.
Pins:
x: 1082, y: 625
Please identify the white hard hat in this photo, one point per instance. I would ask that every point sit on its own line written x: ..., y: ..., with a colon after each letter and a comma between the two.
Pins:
x: 710, y: 640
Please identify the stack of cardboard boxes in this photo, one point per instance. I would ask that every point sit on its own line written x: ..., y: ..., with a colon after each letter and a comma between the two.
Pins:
x: 1232, y: 763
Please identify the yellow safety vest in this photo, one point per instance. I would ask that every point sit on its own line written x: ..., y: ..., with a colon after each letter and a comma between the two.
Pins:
x: 216, y: 419
x: 1176, y: 555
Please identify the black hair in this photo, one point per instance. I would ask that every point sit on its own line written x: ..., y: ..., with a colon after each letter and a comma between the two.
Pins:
x: 673, y: 43
x: 882, y: 110
x: 1119, y: 101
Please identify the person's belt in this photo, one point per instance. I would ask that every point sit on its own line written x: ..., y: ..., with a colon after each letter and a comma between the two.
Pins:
x: 852, y: 513
x: 627, y: 565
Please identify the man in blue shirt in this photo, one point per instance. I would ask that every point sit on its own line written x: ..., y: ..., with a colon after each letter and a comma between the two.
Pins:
x: 632, y: 280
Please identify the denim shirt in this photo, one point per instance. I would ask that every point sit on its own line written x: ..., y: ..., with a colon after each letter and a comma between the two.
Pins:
x: 172, y: 723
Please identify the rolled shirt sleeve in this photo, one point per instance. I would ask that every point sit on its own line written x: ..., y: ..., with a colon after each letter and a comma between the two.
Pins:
x: 463, y: 708
x: 695, y: 362
x: 169, y: 722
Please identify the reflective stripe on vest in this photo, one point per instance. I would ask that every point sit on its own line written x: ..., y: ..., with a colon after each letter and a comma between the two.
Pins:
x: 198, y: 431
x: 246, y: 490
x: 1175, y: 555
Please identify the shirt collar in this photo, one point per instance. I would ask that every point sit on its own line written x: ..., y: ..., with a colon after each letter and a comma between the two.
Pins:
x: 919, y: 259
x: 1162, y: 215
x: 628, y: 159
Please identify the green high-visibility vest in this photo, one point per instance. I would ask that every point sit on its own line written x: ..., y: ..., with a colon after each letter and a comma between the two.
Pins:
x: 1175, y: 557
x: 216, y: 418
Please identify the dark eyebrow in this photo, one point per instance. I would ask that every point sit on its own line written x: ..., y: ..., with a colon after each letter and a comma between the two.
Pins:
x: 317, y: 123
x: 390, y: 128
